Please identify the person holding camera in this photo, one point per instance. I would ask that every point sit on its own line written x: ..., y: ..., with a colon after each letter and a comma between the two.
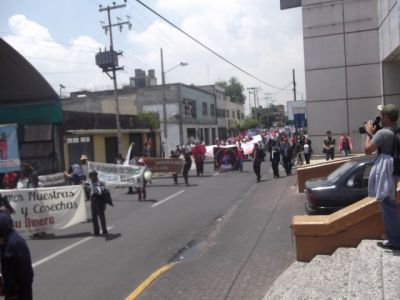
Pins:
x: 382, y: 182
x: 329, y: 146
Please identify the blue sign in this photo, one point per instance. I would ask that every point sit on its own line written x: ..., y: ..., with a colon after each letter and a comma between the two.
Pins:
x: 9, y: 153
x: 299, y: 120
x: 285, y: 4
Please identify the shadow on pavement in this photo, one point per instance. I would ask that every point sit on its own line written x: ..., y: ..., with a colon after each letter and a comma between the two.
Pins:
x: 112, y: 236
x: 148, y: 200
x: 65, y: 236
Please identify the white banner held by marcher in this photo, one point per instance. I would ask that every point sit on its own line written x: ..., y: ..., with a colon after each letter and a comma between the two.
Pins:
x: 46, y: 209
x: 118, y: 175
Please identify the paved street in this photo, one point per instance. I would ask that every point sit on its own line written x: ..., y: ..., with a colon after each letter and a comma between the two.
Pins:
x: 247, y: 251
x: 237, y: 232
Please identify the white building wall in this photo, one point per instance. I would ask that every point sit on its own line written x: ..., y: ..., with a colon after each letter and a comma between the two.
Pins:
x: 352, y: 63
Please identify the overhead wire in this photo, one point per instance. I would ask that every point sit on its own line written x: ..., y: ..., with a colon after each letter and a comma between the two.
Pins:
x: 178, y: 52
x: 206, y: 47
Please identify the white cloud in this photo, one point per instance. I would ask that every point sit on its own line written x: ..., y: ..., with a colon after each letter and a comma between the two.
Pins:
x: 253, y: 34
x: 71, y: 64
x: 20, y: 25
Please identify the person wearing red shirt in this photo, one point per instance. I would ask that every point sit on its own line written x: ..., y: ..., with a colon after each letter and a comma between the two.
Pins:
x: 240, y: 156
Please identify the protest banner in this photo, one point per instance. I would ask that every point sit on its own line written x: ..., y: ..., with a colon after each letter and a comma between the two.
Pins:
x: 118, y: 175
x: 46, y: 209
x: 9, y: 153
x: 164, y: 165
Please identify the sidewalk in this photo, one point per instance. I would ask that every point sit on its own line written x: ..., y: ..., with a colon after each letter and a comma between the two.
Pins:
x: 249, y: 248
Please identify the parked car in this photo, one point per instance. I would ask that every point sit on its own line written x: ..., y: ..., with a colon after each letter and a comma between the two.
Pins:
x: 344, y: 186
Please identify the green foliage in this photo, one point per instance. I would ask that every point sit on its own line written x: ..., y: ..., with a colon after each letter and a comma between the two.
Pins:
x: 222, y: 84
x: 234, y: 89
x: 247, y: 124
x: 150, y: 119
x: 267, y: 118
x: 280, y: 124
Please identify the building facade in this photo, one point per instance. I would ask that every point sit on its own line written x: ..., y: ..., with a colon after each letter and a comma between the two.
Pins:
x: 229, y: 114
x: 90, y: 126
x: 28, y: 100
x: 352, y: 63
x: 190, y: 112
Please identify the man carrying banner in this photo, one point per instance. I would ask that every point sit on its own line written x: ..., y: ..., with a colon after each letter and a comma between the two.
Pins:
x: 78, y: 172
x: 141, y: 188
x: 96, y: 204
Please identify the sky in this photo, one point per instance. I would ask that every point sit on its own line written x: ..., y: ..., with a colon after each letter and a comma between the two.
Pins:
x: 61, y: 38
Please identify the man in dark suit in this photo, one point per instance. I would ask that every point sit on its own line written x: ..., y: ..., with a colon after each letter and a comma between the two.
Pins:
x: 258, y: 157
x: 16, y: 264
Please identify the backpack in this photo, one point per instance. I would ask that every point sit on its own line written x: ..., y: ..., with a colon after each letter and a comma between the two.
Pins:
x: 396, y: 151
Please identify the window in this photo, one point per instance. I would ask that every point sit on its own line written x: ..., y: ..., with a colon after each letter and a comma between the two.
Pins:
x: 212, y: 110
x: 220, y: 113
x: 34, y: 133
x: 205, y: 110
x: 189, y: 108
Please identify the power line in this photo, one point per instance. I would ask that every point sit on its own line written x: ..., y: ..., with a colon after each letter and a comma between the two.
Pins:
x: 206, y: 47
x: 177, y: 52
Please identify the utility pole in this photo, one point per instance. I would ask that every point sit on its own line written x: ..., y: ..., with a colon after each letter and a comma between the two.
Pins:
x: 254, y: 91
x: 108, y: 61
x: 61, y: 88
x: 294, y: 85
x: 164, y: 97
x: 250, y: 112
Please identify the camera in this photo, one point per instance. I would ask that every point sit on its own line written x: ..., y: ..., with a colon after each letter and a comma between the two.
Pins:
x: 376, y: 124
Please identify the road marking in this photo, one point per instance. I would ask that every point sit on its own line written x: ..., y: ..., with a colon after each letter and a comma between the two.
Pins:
x: 148, y: 281
x: 42, y: 261
x: 168, y: 198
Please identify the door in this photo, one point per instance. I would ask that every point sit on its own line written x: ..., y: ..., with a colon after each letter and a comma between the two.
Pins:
x: 111, y: 145
x: 356, y: 186
x: 78, y: 146
x: 207, y: 136
x: 136, y: 138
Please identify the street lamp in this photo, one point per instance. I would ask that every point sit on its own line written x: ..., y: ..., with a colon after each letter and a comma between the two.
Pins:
x: 61, y: 87
x: 181, y: 64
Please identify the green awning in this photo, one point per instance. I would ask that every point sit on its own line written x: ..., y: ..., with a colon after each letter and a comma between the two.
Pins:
x: 29, y: 114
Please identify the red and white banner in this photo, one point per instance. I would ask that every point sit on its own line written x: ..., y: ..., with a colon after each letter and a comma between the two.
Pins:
x: 247, y: 147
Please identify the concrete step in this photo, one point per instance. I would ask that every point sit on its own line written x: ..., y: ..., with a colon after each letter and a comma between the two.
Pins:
x: 365, y: 272
x: 285, y: 281
x: 326, y: 279
x: 365, y: 278
x: 391, y: 274
x: 305, y: 276
x: 332, y: 279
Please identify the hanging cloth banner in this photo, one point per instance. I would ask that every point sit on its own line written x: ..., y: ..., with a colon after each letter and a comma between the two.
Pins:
x: 9, y: 153
x: 46, y: 209
x: 117, y: 175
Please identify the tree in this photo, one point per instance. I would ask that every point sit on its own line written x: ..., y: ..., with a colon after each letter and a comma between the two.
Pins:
x: 248, y: 123
x: 150, y: 119
x: 234, y: 89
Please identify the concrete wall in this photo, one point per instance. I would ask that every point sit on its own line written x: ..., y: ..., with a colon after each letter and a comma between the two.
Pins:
x: 102, y: 103
x: 201, y: 97
x: 350, y: 50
